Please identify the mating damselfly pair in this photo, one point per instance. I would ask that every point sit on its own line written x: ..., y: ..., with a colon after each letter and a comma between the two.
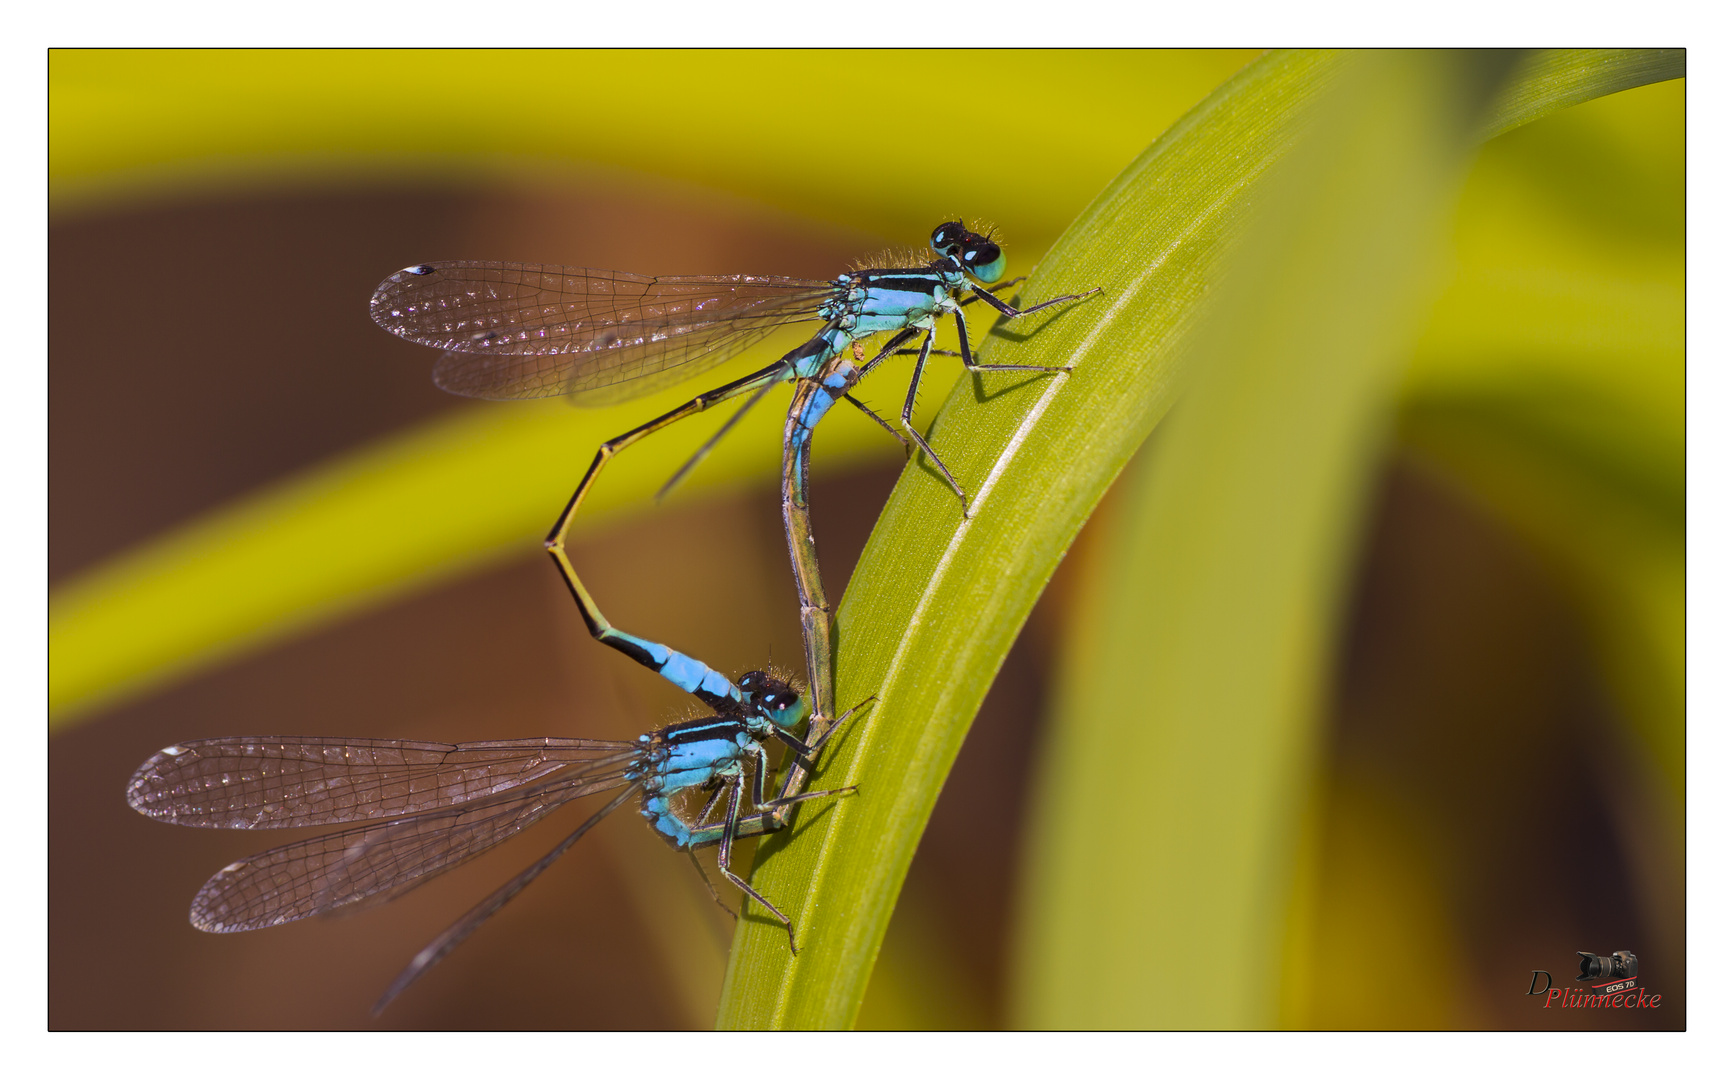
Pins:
x: 515, y: 330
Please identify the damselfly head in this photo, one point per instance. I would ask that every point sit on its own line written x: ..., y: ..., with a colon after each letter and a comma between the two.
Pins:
x: 774, y: 697
x: 971, y: 251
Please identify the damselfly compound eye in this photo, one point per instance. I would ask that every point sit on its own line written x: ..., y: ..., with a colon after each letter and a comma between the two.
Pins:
x: 984, y: 259
x: 949, y: 237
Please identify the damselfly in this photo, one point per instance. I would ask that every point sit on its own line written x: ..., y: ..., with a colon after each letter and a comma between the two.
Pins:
x: 526, y: 330
x: 431, y: 806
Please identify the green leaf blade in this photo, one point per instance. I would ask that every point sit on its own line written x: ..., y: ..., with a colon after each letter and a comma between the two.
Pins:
x: 935, y: 603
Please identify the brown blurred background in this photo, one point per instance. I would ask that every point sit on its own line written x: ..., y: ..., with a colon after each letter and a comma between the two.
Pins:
x: 1470, y: 722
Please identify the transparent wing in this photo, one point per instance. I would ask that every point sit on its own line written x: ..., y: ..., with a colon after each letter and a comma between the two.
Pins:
x: 530, y: 330
x: 454, y: 935
x: 268, y: 782
x: 384, y: 859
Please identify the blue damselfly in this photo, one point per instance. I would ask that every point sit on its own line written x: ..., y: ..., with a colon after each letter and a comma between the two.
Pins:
x: 525, y: 330
x: 428, y: 807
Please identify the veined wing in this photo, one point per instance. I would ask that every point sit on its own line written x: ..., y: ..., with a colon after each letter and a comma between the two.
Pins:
x: 269, y: 782
x: 454, y: 934
x: 530, y: 330
x: 382, y: 859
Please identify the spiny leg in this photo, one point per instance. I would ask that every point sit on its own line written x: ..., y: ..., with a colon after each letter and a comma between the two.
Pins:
x: 894, y: 347
x: 968, y: 300
x: 861, y: 371
x: 796, y: 747
x: 969, y: 360
x: 704, y: 816
x: 790, y: 800
x: 1011, y: 313
x: 909, y: 409
x: 970, y: 364
x: 761, y: 804
x: 693, y: 855
x: 877, y: 419
x: 769, y: 816
x: 819, y: 743
x: 725, y: 849
x: 807, y: 757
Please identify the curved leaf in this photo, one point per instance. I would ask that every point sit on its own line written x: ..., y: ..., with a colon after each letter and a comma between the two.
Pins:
x: 936, y: 601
